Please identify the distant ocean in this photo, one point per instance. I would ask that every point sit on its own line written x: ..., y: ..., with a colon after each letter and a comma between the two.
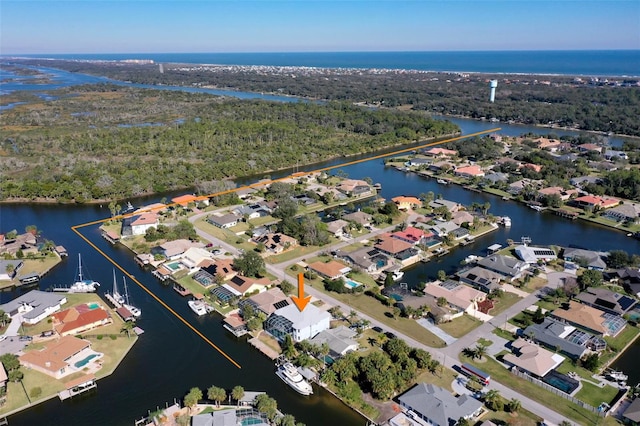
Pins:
x: 602, y: 63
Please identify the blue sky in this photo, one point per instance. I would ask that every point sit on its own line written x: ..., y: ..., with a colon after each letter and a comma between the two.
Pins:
x: 130, y: 26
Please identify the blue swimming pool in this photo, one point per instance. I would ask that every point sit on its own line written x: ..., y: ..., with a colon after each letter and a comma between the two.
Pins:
x: 85, y: 361
x: 350, y: 283
x: 559, y: 381
x: 396, y: 297
x: 93, y: 305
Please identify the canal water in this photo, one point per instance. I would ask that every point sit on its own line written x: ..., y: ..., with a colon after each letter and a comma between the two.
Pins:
x: 169, y: 358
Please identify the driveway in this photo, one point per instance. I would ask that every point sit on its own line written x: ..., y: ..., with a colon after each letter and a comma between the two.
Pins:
x: 556, y: 279
x: 429, y: 325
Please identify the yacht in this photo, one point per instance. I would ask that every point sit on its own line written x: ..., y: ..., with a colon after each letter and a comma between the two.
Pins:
x: 290, y: 375
x: 197, y: 306
x: 442, y: 181
x: 136, y: 312
x: 117, y: 297
x: 617, y: 375
x: 397, y: 275
x: 506, y: 221
x: 81, y: 285
x: 536, y: 208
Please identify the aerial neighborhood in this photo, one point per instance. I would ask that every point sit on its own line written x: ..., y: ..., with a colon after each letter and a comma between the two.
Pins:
x: 545, y: 322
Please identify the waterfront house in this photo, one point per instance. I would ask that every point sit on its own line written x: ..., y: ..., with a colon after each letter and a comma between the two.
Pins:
x: 459, y: 296
x: 412, y: 235
x: 593, y: 201
x: 213, y: 270
x: 331, y: 270
x: 519, y: 186
x: 300, y: 325
x: 452, y: 206
x: 354, y: 187
x: 556, y: 190
x: 606, y: 300
x: 441, y: 166
x: 139, y: 224
x: 589, y: 147
x: 340, y: 341
x: 276, y: 242
x: 547, y: 144
x: 266, y: 302
x: 250, y: 212
x: 439, y: 152
x: 190, y: 199
x: 461, y: 217
x: 630, y: 279
x: 406, y: 203
x: 418, y: 162
x: 153, y: 207
x: 360, y: 217
x: 581, y: 181
x: 9, y: 269
x: 481, y: 278
x: 56, y: 358
x: 437, y: 406
x: 396, y: 248
x: 337, y: 227
x: 562, y: 337
x: 194, y: 256
x: 230, y: 417
x: 496, y: 177
x: 35, y: 305
x: 26, y: 243
x: 510, y: 267
x: 366, y: 258
x: 627, y: 212
x: 172, y: 250
x: 223, y: 221
x: 531, y: 358
x: 631, y: 415
x: 469, y: 171
x: 533, y: 254
x: 443, y: 228
x: 590, y: 319
x: 240, y: 285
x: 587, y: 258
x: 80, y: 318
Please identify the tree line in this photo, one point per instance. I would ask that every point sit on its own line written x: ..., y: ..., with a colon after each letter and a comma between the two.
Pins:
x: 215, y: 139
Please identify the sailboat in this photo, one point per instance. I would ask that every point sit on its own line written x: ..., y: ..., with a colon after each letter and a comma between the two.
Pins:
x: 117, y: 297
x: 136, y: 312
x: 82, y: 285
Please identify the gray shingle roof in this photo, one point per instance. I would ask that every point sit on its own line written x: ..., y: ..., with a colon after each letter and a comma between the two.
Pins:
x: 438, y: 404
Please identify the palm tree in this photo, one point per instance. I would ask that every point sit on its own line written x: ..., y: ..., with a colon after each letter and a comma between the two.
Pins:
x: 480, y: 351
x: 353, y: 314
x: 514, y: 405
x: 491, y: 398
x: 216, y: 394
x: 127, y: 327
x: 237, y: 393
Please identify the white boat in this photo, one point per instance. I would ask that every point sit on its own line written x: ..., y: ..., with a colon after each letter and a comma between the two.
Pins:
x: 82, y: 285
x: 617, y: 375
x: 198, y: 306
x: 117, y: 297
x: 471, y: 258
x: 397, y: 275
x: 506, y: 221
x: 136, y: 312
x: 536, y: 208
x: 442, y: 181
x: 290, y: 375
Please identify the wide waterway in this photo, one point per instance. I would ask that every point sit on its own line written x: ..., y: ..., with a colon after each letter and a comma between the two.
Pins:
x: 169, y: 359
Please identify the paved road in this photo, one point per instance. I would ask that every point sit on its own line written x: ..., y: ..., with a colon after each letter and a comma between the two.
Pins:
x: 448, y: 355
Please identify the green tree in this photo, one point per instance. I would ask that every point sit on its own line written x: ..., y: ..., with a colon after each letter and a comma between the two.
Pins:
x: 237, y: 393
x: 267, y: 405
x: 480, y: 351
x: 288, y: 348
x: 590, y: 278
x: 618, y: 259
x: 286, y: 287
x: 514, y: 405
x: 216, y: 394
x: 249, y: 263
x: 127, y: 326
x: 493, y: 400
x: 192, y: 398
x: 538, y: 316
x: 10, y: 361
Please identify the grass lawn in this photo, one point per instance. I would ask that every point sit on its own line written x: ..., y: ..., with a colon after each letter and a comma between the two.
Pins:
x: 595, y: 395
x: 363, y: 278
x: 504, y: 334
x: 460, y: 326
x: 30, y: 266
x: 521, y: 418
x: 533, y: 391
x: 377, y: 310
x: 496, y: 191
x: 625, y: 337
x: 270, y: 341
x: 568, y: 366
x: 504, y: 302
x: 297, y: 252
x: 443, y: 378
x: 535, y: 283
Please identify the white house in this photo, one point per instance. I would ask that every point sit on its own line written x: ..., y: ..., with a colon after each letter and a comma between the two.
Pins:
x: 35, y: 305
x: 300, y: 325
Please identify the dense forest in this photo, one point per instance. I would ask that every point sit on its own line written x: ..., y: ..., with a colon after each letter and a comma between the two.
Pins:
x: 104, y: 142
x: 538, y: 100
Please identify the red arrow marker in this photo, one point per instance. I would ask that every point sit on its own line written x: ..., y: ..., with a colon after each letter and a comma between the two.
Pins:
x: 301, y: 301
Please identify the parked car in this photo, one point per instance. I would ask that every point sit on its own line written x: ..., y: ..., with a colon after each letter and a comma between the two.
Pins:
x: 25, y: 338
x: 47, y: 333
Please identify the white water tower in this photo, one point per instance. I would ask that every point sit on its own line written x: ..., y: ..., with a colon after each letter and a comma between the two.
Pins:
x: 492, y: 85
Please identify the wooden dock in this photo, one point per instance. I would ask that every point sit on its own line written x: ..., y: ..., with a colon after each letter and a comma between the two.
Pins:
x: 568, y: 214
x: 78, y: 386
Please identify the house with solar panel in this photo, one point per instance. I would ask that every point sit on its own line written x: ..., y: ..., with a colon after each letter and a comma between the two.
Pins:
x: 607, y: 300
x: 534, y: 255
x: 565, y: 338
x: 509, y: 267
x: 590, y: 319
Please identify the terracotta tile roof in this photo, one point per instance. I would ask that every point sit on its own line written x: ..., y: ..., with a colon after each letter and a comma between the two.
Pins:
x: 148, y: 218
x: 330, y: 269
x: 407, y: 200
x: 393, y: 245
x: 53, y: 357
x: 183, y: 200
x: 78, y: 317
x: 583, y: 315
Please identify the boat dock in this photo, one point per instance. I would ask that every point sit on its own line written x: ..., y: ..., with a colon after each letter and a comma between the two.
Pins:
x: 568, y: 214
x: 110, y: 236
x: 262, y: 347
x: 113, y: 301
x: 78, y: 386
